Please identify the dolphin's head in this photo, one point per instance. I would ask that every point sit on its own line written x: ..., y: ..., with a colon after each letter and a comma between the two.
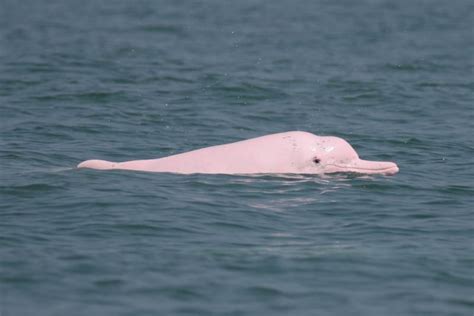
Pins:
x: 331, y: 154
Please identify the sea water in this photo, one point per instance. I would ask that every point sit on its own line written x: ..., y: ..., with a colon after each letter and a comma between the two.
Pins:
x: 123, y: 80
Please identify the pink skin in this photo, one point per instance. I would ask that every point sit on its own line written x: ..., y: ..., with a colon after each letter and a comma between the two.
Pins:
x: 282, y: 153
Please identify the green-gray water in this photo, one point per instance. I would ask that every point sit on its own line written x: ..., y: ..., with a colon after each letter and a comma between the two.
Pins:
x: 122, y: 80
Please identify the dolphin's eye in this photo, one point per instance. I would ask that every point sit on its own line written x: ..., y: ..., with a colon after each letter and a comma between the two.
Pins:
x: 316, y: 160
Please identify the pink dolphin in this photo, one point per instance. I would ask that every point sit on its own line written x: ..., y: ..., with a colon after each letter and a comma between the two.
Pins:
x: 282, y: 153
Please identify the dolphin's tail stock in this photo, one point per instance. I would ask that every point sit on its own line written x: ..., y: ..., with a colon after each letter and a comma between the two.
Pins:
x: 97, y: 164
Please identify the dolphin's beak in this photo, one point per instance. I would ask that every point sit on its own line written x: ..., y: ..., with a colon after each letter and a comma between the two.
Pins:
x: 370, y: 167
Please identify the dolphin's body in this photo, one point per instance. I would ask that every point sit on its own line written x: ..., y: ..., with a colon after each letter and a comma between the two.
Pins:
x: 282, y: 153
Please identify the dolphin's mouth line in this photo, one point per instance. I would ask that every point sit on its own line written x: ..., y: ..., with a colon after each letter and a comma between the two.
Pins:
x: 361, y: 168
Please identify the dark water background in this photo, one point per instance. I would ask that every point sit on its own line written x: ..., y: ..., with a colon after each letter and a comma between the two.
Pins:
x: 122, y: 80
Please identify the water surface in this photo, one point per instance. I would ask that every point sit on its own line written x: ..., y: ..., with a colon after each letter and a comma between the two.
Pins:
x: 122, y: 80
